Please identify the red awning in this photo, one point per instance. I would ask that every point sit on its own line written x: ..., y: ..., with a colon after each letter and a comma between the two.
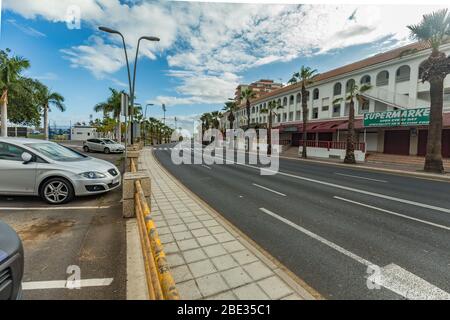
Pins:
x: 326, y: 126
x: 358, y: 125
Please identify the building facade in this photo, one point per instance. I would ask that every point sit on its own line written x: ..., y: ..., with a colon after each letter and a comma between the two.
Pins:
x: 260, y: 88
x: 394, y: 77
x: 82, y: 133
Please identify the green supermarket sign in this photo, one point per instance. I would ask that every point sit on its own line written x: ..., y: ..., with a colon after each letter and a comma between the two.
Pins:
x: 395, y: 118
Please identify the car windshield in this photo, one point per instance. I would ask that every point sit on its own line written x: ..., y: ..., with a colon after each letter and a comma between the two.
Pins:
x: 56, y: 152
x: 107, y: 141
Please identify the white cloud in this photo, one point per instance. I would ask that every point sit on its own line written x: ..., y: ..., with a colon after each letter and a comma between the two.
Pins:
x: 208, y: 45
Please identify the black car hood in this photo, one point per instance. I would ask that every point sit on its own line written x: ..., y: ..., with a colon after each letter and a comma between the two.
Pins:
x: 10, y: 243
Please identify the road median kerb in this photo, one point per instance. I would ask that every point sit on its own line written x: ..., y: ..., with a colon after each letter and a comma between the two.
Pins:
x: 280, y: 273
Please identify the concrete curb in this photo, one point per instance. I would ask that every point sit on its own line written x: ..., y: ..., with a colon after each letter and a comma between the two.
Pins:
x: 297, y: 284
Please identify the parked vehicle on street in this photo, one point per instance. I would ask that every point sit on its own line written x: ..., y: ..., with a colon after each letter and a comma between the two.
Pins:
x: 55, y: 173
x: 11, y: 263
x: 103, y: 145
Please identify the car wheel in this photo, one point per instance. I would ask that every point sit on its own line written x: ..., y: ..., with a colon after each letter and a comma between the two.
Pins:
x: 57, y: 191
x: 107, y: 150
x: 86, y: 149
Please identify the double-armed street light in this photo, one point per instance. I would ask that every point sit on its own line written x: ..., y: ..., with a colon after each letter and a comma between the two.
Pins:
x: 131, y: 81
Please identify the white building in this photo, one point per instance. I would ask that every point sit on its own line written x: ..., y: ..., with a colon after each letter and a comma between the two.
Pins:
x: 82, y: 133
x: 396, y: 85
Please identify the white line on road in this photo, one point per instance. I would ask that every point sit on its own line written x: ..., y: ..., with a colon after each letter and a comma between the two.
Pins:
x: 393, y: 213
x: 55, y: 208
x: 318, y: 238
x: 63, y: 284
x: 358, y: 177
x: 407, y: 284
x: 329, y: 184
x: 205, y: 166
x: 392, y: 277
x: 265, y: 188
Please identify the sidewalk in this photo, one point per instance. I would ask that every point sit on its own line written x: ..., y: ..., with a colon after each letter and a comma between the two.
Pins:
x: 209, y: 258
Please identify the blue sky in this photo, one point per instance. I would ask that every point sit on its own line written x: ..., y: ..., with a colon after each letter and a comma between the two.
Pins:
x: 205, y: 50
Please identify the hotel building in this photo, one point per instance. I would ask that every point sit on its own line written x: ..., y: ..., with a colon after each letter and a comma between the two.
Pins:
x: 395, y: 82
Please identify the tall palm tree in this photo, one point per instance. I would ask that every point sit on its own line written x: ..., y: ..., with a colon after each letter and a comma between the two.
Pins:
x: 215, y: 117
x: 10, y: 79
x: 270, y: 111
x: 48, y: 99
x: 248, y: 94
x: 231, y: 107
x: 306, y: 76
x: 112, y: 106
x: 434, y: 29
x: 354, y: 93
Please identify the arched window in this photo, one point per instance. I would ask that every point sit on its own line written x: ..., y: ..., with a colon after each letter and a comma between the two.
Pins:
x: 365, y: 79
x: 350, y: 83
x: 279, y: 102
x: 316, y: 94
x: 253, y: 109
x: 299, y: 98
x: 337, y: 90
x: 291, y: 100
x: 382, y: 78
x: 403, y: 73
x: 284, y: 101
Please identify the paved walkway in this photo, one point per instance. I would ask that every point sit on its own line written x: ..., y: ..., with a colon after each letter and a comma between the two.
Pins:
x: 209, y: 259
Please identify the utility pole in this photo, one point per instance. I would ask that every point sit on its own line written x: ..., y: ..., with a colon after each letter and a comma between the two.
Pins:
x: 164, y: 110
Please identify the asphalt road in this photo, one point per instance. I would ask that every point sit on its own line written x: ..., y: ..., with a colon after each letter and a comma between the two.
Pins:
x: 85, y: 236
x: 348, y: 233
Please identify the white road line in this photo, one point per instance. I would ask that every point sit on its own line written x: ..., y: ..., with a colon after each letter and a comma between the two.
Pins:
x: 407, y: 284
x: 358, y: 177
x: 265, y: 188
x: 329, y: 184
x: 55, y: 208
x: 393, y: 213
x: 63, y: 284
x: 205, y: 166
x: 318, y: 238
x: 392, y: 277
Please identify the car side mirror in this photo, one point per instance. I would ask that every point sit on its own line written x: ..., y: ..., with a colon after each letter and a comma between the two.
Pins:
x: 26, y: 157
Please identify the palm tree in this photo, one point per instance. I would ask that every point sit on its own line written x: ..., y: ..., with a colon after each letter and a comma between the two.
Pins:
x: 247, y: 94
x: 231, y: 107
x: 10, y: 79
x: 306, y: 76
x: 354, y: 93
x: 270, y: 110
x: 215, y: 117
x: 112, y: 105
x: 48, y: 99
x: 434, y: 29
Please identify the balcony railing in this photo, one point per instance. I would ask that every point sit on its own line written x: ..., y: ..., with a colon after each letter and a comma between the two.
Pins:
x: 361, y: 146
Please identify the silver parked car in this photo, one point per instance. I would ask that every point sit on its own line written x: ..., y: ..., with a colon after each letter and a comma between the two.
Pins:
x: 103, y: 145
x: 52, y: 171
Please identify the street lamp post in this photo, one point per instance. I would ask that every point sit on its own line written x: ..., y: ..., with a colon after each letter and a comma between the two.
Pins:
x: 164, y: 110
x: 130, y: 83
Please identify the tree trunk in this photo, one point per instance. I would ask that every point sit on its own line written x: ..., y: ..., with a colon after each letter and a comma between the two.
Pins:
x: 269, y: 136
x: 4, y: 112
x: 350, y: 147
x: 46, y: 133
x: 305, y: 120
x: 433, y: 158
x: 248, y: 113
x: 119, y: 131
